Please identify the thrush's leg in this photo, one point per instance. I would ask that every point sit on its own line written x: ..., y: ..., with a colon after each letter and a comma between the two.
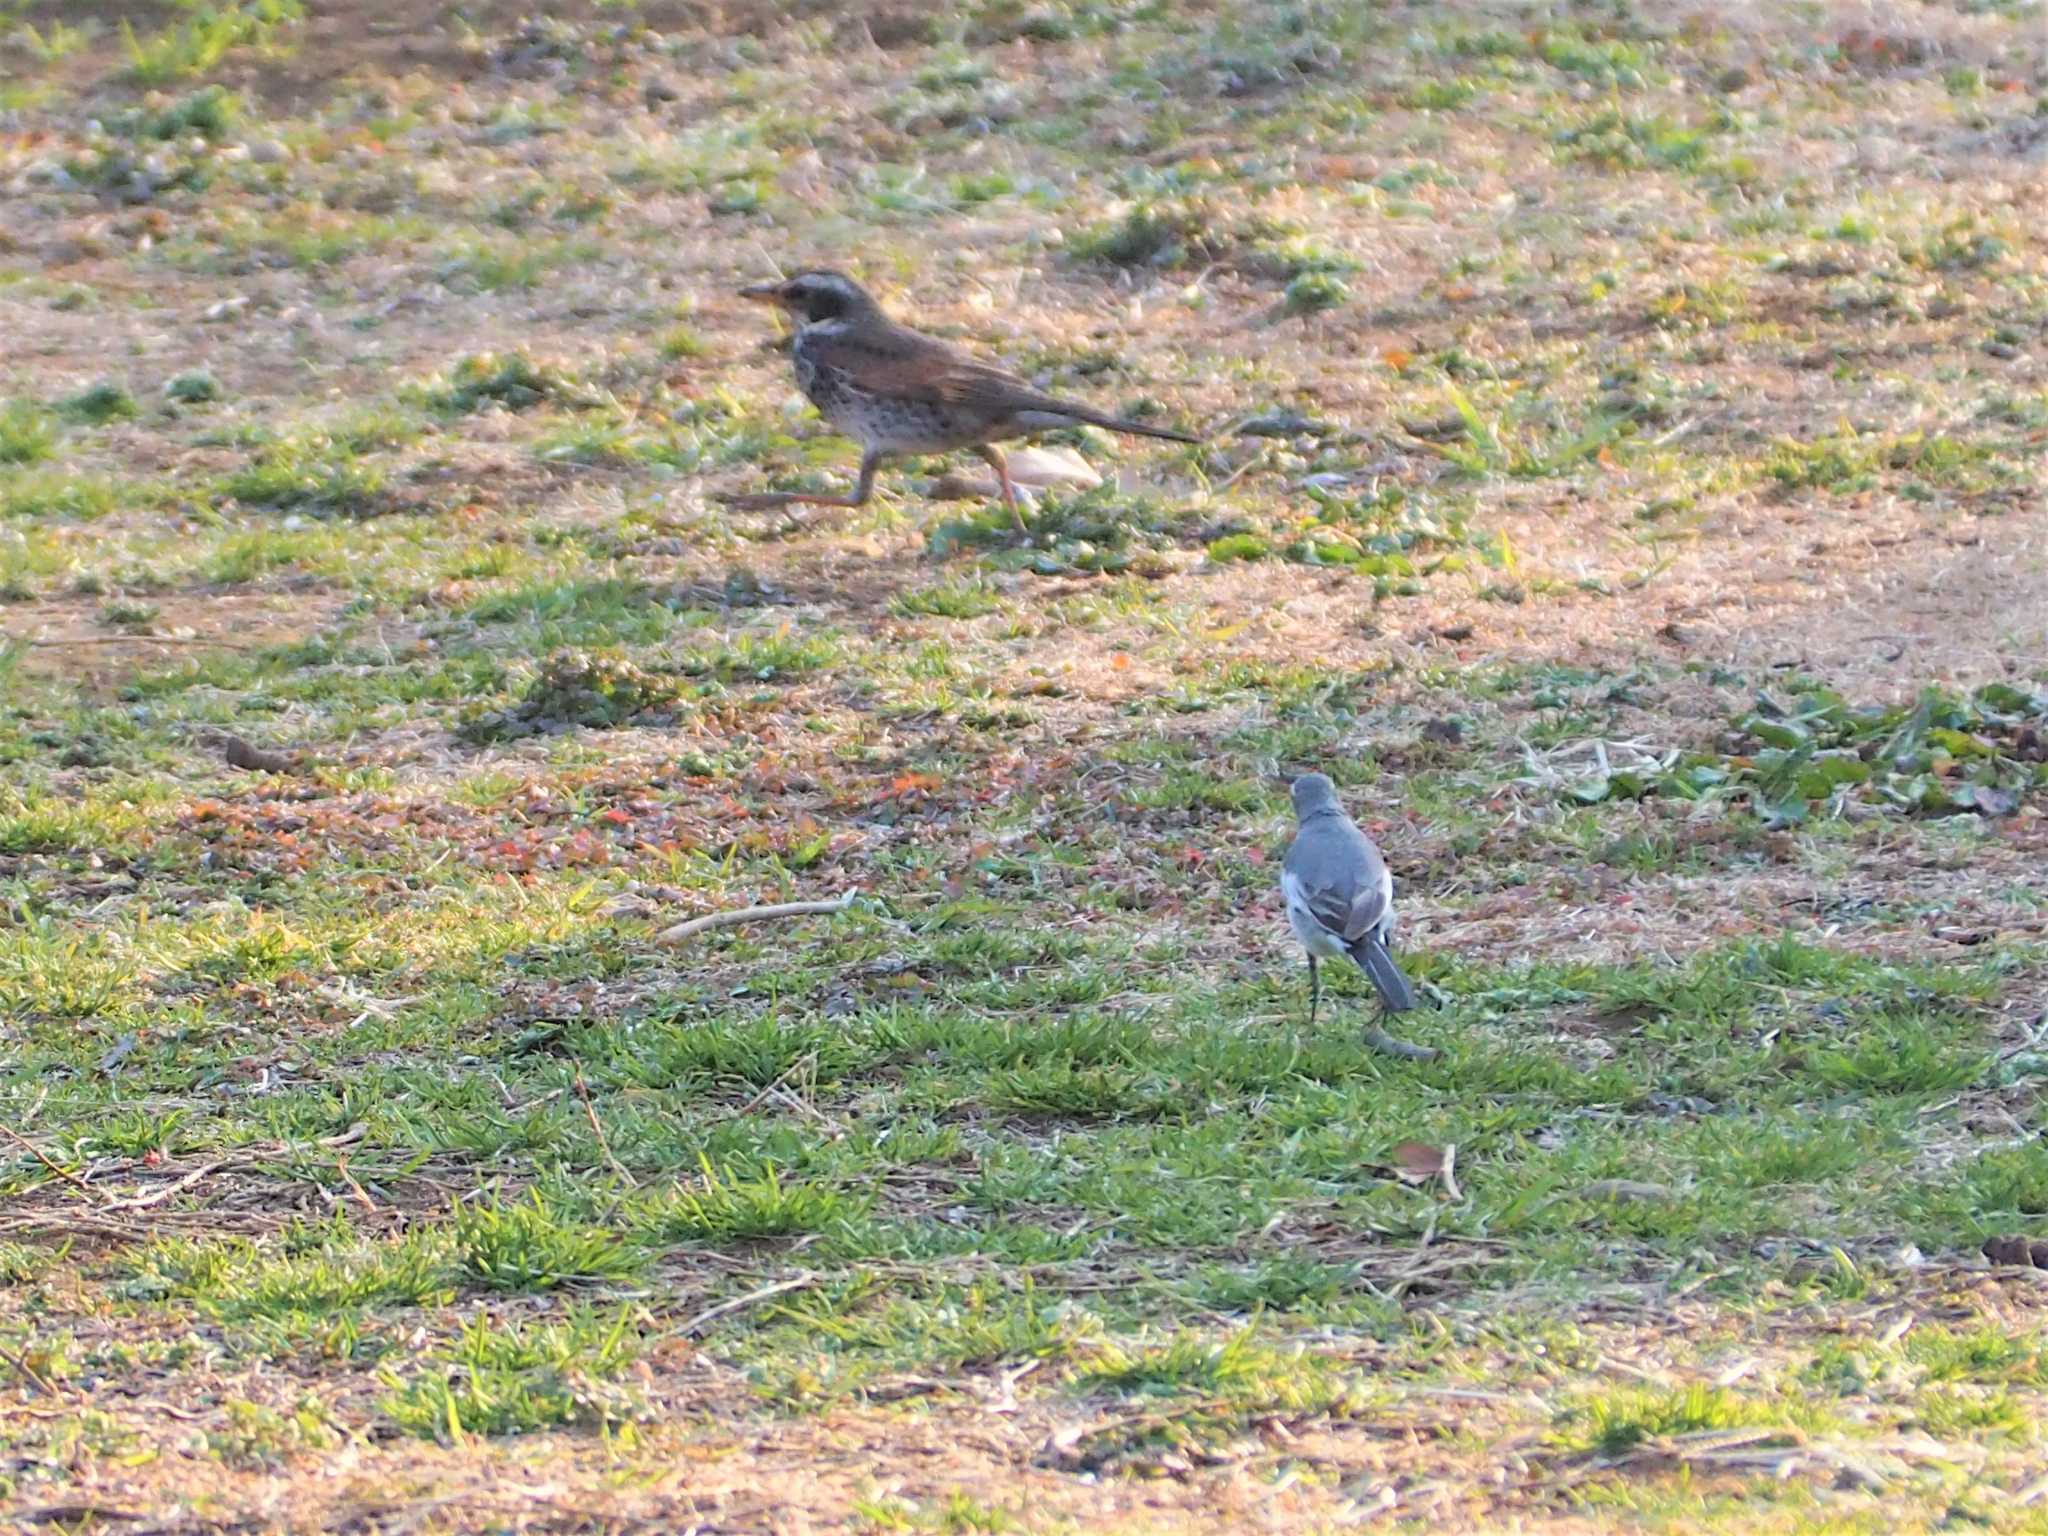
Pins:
x: 1315, y: 990
x: 768, y: 501
x: 1001, y: 465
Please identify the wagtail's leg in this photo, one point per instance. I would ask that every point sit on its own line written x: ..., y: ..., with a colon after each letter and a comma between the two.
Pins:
x: 1315, y: 990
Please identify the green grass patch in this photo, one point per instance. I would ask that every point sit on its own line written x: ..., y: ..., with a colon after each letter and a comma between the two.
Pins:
x: 527, y: 1245
x: 318, y: 475
x: 99, y: 404
x: 27, y: 433
x: 507, y: 1377
x: 577, y: 689
x: 205, y: 36
x: 743, y: 1208
x: 512, y: 380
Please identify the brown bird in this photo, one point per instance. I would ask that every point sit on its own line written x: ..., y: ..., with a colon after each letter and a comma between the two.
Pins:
x: 895, y: 391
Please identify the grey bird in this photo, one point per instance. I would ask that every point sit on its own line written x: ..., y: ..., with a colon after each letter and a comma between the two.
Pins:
x: 1340, y: 903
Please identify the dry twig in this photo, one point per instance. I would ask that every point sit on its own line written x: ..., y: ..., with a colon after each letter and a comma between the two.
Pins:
x: 62, y: 641
x: 697, y: 925
x: 741, y: 1303
x: 29, y: 1373
x: 44, y: 1158
x: 158, y: 1197
x: 597, y: 1129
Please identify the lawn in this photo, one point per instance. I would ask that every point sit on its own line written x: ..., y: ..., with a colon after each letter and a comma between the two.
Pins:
x: 1622, y: 474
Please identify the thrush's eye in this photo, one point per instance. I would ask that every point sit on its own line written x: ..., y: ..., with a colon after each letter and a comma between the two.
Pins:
x: 819, y: 300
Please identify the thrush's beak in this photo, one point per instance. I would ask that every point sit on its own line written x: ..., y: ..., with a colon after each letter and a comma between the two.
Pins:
x: 763, y: 293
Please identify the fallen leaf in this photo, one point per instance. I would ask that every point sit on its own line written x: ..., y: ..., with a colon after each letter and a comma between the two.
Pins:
x: 1418, y: 1162
x: 1029, y: 467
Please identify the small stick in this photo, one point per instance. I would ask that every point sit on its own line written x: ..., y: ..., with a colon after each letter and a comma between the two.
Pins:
x: 1449, y: 1174
x: 158, y: 1197
x: 1258, y: 457
x: 597, y: 1128
x: 44, y: 1158
x: 740, y: 1303
x: 361, y: 1194
x: 62, y: 640
x: 29, y: 1372
x: 698, y: 925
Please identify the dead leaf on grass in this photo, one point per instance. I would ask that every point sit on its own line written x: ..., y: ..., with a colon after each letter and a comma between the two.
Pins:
x: 1416, y: 1162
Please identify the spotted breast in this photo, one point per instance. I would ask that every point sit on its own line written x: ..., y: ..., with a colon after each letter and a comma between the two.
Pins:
x: 885, y: 423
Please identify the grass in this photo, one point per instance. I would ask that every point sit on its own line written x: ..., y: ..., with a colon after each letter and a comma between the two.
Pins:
x: 213, y: 112
x: 1623, y: 494
x: 53, y: 494
x: 315, y: 474
x: 194, y: 387
x: 511, y: 1379
x: 196, y: 44
x: 99, y: 404
x: 525, y: 1246
x: 514, y: 381
x: 26, y: 433
x: 740, y: 1209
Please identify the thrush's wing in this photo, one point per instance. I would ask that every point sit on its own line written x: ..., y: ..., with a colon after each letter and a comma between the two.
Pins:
x: 896, y: 363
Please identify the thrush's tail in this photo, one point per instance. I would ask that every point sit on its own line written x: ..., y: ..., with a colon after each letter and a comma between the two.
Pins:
x: 1371, y: 954
x: 1135, y: 428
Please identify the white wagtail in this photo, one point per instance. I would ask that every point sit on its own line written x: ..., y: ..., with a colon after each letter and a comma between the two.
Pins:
x: 1340, y: 902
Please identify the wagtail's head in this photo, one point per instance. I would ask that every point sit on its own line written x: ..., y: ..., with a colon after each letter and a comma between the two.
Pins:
x: 1313, y: 792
